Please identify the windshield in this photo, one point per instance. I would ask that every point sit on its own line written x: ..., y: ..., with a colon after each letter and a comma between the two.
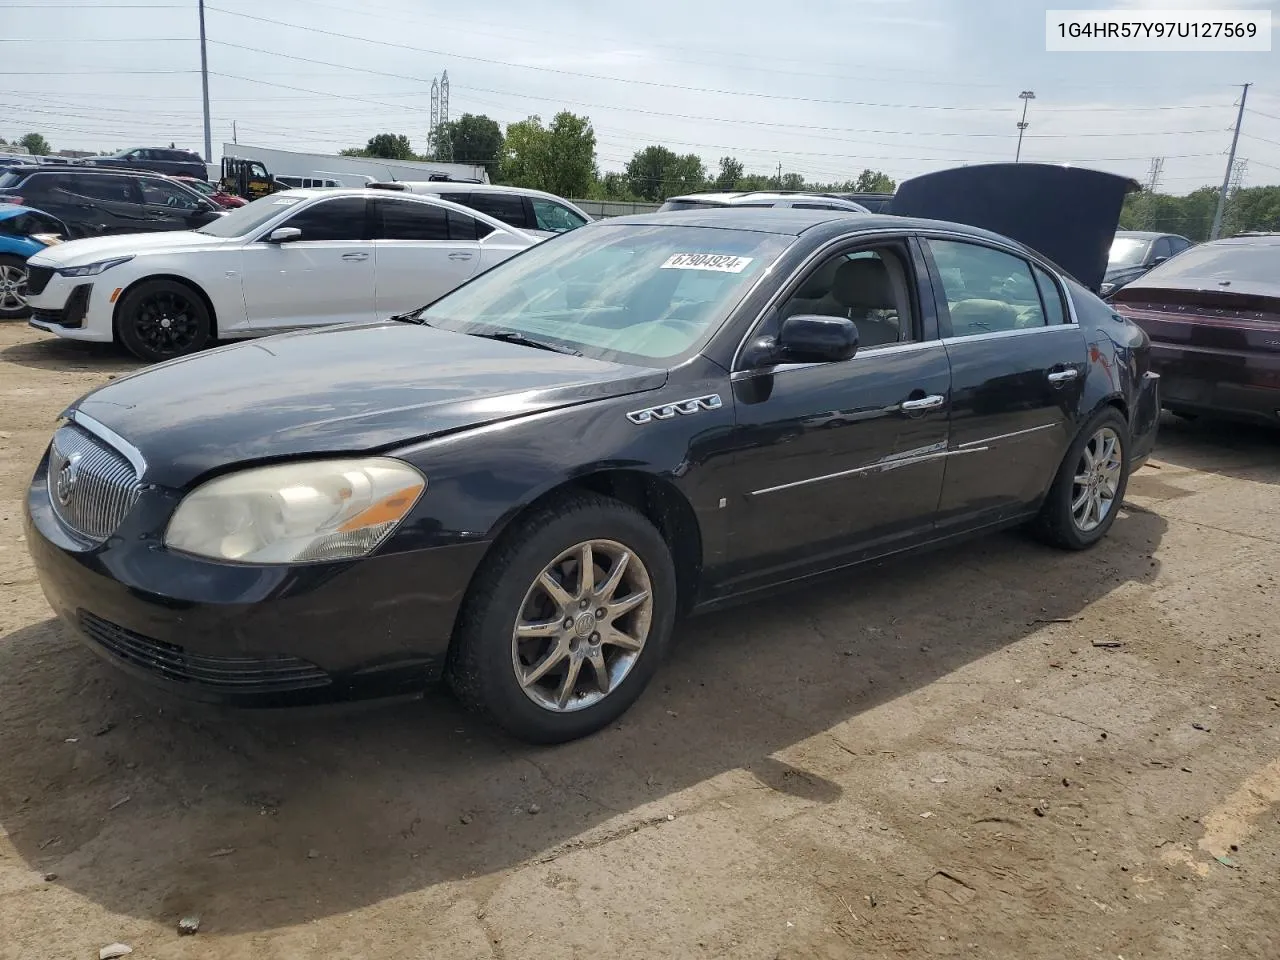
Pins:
x: 1240, y: 262
x: 634, y: 293
x: 245, y: 220
x: 1127, y: 252
x: 200, y: 186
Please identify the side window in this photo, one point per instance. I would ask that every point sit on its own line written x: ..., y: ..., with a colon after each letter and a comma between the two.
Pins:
x: 462, y: 198
x: 816, y: 206
x: 114, y: 189
x: 1162, y: 248
x: 507, y: 207
x: 987, y: 290
x: 1050, y: 296
x: 159, y: 193
x: 338, y: 219
x: 462, y: 227
x: 554, y: 217
x: 870, y: 287
x: 1179, y: 244
x: 406, y: 220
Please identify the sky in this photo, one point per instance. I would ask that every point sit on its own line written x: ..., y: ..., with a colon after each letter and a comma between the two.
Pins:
x: 824, y: 87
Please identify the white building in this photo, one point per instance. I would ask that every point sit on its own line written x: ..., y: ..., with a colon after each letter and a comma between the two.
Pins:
x: 346, y: 171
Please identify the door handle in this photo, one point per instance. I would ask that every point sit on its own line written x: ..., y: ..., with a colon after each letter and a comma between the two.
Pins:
x: 1063, y: 376
x: 931, y: 402
x: 355, y: 256
x: 460, y: 256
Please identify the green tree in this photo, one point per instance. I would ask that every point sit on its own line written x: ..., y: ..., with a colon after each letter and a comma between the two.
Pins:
x: 729, y: 175
x: 353, y: 152
x: 872, y: 181
x: 792, y: 181
x: 656, y: 173
x: 472, y: 138
x: 560, y: 159
x: 37, y: 144
x: 390, y: 146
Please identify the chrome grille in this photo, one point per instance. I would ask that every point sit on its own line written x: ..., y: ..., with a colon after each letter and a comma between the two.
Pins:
x: 91, y: 485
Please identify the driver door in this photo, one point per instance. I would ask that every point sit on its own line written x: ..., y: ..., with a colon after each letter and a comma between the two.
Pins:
x: 836, y: 460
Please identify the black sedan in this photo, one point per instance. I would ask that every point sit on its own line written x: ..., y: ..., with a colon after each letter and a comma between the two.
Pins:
x: 522, y: 485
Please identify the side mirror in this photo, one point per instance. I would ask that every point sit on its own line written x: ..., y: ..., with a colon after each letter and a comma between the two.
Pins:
x: 1158, y: 260
x: 284, y: 235
x: 809, y: 338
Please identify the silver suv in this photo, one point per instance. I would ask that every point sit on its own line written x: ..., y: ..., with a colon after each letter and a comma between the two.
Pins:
x: 533, y: 211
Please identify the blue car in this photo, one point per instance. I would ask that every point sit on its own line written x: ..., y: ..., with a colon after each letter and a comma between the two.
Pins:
x: 23, y: 231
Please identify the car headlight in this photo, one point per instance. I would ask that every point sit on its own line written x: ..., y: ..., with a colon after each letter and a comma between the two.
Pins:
x: 93, y: 269
x: 296, y: 512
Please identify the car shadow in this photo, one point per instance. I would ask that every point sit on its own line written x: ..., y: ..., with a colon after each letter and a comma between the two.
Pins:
x: 258, y: 820
x: 58, y: 354
x: 1244, y: 451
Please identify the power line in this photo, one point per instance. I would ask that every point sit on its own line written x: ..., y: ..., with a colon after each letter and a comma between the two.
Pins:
x: 97, y: 39
x: 593, y: 76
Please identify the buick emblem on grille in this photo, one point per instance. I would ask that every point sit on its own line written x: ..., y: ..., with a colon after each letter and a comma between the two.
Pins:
x: 67, y: 476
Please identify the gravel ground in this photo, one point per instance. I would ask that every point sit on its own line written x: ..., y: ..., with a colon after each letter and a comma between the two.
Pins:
x: 996, y: 750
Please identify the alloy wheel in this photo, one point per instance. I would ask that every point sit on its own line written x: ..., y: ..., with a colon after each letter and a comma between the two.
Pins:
x: 1097, y: 479
x: 167, y: 323
x: 13, y: 287
x: 582, y: 626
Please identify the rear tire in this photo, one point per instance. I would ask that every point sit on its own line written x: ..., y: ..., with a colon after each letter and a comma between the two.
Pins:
x: 1087, y: 493
x: 13, y: 288
x: 532, y: 653
x: 163, y: 319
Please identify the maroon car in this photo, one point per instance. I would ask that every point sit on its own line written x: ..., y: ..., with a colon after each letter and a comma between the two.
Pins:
x: 1213, y: 315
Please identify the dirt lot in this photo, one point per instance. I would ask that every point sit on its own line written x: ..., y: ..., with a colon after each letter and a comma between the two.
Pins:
x: 993, y: 751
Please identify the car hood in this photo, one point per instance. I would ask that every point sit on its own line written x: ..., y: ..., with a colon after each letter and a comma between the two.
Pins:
x: 339, y: 390
x: 1068, y: 214
x: 91, y: 249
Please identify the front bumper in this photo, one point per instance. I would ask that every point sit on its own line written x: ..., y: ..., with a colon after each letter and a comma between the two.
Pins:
x: 74, y: 307
x: 249, y: 635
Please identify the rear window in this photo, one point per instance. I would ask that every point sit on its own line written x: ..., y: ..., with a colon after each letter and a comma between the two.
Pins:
x: 11, y: 178
x: 1251, y: 262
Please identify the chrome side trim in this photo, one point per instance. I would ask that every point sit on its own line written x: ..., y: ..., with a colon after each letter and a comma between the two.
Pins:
x: 883, y: 466
x: 666, y: 411
x: 1005, y: 436
x: 1006, y: 334
x: 109, y: 436
x: 870, y: 354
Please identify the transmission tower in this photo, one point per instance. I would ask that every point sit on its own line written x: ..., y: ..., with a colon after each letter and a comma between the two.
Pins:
x: 1153, y: 174
x: 1234, y: 184
x: 432, y: 131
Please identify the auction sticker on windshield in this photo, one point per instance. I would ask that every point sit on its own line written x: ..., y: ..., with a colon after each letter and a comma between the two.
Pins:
x: 719, y: 262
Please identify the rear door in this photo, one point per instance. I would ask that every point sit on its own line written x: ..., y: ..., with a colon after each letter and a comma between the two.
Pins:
x: 1017, y: 372
x: 507, y: 207
x: 326, y: 276
x: 109, y: 203
x: 421, y: 252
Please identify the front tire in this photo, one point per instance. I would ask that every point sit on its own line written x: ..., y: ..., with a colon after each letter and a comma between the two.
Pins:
x: 549, y: 654
x: 1086, y: 494
x: 13, y: 288
x: 163, y: 319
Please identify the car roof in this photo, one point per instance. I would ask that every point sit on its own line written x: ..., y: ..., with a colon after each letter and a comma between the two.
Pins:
x: 10, y: 210
x: 789, y: 221
x: 1143, y: 234
x: 62, y: 170
x: 452, y: 186
x: 1256, y: 240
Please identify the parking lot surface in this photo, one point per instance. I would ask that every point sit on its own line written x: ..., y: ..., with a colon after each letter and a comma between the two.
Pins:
x: 997, y: 750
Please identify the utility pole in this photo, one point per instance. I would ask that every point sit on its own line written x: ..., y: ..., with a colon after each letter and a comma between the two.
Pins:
x: 235, y: 138
x: 204, y: 82
x: 1025, y: 96
x: 1231, y: 160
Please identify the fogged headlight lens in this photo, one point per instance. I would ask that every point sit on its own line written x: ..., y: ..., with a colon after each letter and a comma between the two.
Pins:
x: 296, y: 512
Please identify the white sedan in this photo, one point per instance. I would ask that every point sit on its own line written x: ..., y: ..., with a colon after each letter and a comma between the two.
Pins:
x: 291, y: 260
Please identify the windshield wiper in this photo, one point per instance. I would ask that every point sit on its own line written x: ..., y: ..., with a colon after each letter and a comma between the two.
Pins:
x: 411, y: 316
x: 510, y: 336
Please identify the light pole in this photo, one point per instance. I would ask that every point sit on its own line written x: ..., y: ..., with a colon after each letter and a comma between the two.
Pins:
x: 204, y: 85
x: 1024, y: 96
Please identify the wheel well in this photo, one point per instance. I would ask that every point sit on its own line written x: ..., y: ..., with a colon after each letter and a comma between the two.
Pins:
x: 664, y: 506
x: 193, y: 287
x: 1119, y: 404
